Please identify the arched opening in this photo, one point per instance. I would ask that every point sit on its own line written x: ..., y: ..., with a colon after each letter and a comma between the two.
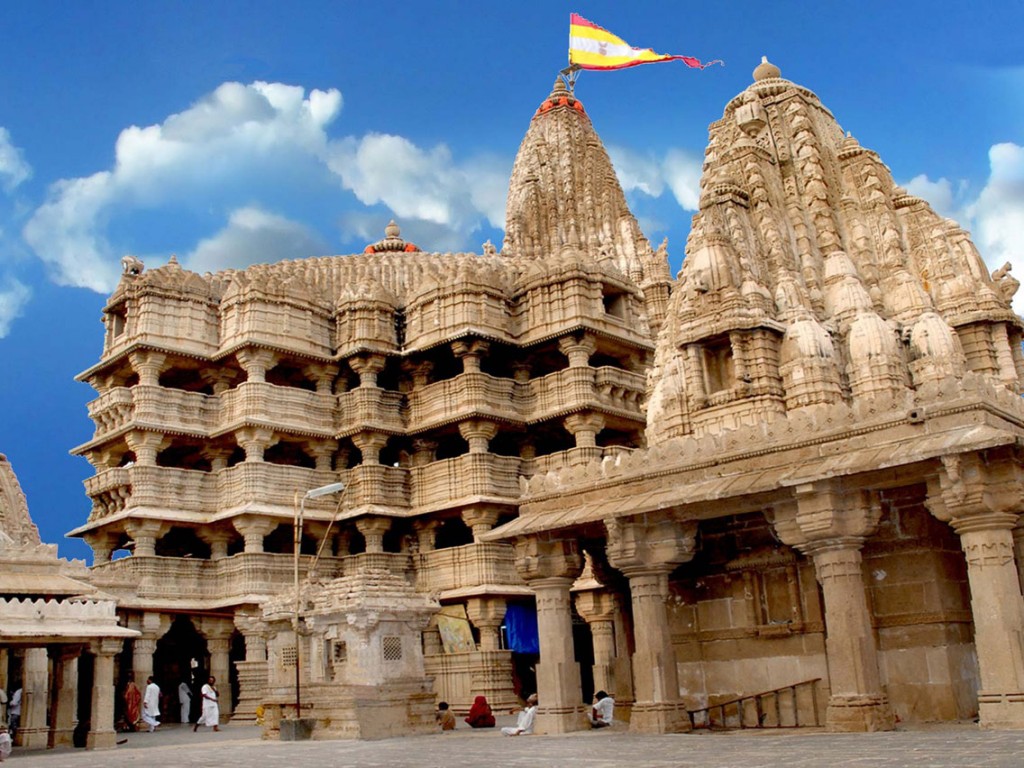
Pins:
x: 181, y: 656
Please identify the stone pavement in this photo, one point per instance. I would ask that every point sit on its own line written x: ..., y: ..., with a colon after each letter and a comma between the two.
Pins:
x: 240, y: 747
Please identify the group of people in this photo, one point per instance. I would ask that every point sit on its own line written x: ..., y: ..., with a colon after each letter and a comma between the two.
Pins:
x: 600, y: 715
x: 145, y: 707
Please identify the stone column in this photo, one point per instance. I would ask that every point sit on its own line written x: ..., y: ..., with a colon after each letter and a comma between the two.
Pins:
x: 598, y: 608
x: 367, y: 367
x: 480, y: 520
x: 34, y: 733
x: 64, y: 711
x: 148, y: 365
x: 219, y: 647
x: 585, y: 428
x: 426, y: 531
x: 217, y: 456
x: 256, y: 362
x: 323, y: 374
x: 646, y: 551
x: 102, y: 545
x: 253, y: 530
x: 146, y: 446
x: 423, y: 452
x: 370, y: 445
x: 323, y: 454
x: 478, y: 433
x: 487, y: 613
x: 470, y: 352
x: 578, y: 349
x: 217, y: 540
x: 373, y: 529
x: 550, y: 565
x: 829, y: 523
x: 252, y: 673
x: 145, y: 534
x: 101, y: 732
x: 981, y: 496
x: 143, y: 649
x: 219, y: 379
x: 255, y: 441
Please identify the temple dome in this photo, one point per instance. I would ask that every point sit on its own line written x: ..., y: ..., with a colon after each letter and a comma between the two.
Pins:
x: 564, y: 192
x: 766, y: 70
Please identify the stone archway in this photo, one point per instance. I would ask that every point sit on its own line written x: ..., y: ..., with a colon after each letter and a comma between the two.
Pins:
x: 181, y: 655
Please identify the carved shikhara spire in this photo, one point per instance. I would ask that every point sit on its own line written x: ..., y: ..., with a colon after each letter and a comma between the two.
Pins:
x: 812, y: 279
x: 564, y: 195
x: 16, y: 527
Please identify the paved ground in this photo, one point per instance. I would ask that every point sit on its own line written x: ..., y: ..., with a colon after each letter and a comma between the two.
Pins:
x: 237, y: 747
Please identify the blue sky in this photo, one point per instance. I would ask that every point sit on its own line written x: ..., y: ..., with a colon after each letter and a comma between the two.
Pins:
x: 235, y: 132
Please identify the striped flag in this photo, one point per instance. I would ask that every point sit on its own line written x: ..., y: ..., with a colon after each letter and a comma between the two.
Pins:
x: 593, y: 47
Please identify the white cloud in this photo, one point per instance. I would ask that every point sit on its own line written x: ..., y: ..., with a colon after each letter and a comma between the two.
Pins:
x: 253, y: 236
x: 13, y: 167
x: 13, y: 298
x: 421, y: 184
x: 939, y: 194
x: 234, y: 139
x: 678, y: 170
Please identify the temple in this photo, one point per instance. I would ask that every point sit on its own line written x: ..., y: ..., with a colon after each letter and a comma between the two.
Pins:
x: 793, y: 467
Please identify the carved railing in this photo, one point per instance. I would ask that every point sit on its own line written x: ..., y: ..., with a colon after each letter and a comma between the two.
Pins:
x: 111, y: 410
x: 470, y: 475
x: 174, y: 410
x: 461, y: 397
x: 777, y: 708
x: 467, y: 566
x: 185, y: 490
x: 620, y: 390
x: 369, y: 408
x: 376, y: 484
x: 273, y: 485
x: 282, y: 407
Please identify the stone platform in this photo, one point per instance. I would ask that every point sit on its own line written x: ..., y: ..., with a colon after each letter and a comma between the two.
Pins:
x: 241, y: 747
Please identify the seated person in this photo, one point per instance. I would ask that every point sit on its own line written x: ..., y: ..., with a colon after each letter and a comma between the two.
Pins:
x: 480, y: 715
x: 445, y: 718
x: 600, y: 714
x: 524, y: 725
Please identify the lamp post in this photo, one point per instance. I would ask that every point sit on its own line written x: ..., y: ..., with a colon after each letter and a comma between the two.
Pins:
x: 300, y: 510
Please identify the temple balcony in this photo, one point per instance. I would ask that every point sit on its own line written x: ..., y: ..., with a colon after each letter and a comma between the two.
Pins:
x: 271, y: 485
x: 174, y: 410
x: 376, y: 484
x: 572, y: 389
x: 166, y: 488
x: 472, y: 565
x: 283, y: 408
x: 111, y: 411
x: 462, y: 397
x: 471, y: 476
x: 368, y: 408
x: 572, y: 457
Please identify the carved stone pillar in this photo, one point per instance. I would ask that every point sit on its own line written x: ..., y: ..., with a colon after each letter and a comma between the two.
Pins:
x: 367, y: 367
x: 143, y: 649
x: 148, y: 365
x: 551, y: 565
x: 487, y: 613
x: 369, y: 445
x: 252, y: 673
x: 256, y: 362
x: 253, y: 530
x: 218, y: 541
x: 146, y: 446
x: 426, y: 531
x: 981, y: 496
x: 598, y: 608
x: 323, y: 454
x: 145, y: 534
x: 64, y: 709
x: 470, y: 352
x: 646, y: 551
x: 424, y: 452
x: 219, y: 379
x: 323, y: 374
x: 373, y: 529
x: 829, y: 523
x: 585, y: 428
x: 255, y: 441
x: 420, y: 372
x: 478, y: 433
x: 35, y: 695
x: 578, y: 349
x: 219, y: 646
x: 217, y: 456
x: 101, y: 734
x: 480, y: 520
x: 102, y: 545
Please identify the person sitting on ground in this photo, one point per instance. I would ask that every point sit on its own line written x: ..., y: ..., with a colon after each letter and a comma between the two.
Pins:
x: 524, y: 725
x: 480, y: 715
x: 445, y: 718
x: 600, y: 714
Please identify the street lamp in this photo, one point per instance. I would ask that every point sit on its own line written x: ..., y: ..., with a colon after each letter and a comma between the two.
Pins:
x: 300, y: 509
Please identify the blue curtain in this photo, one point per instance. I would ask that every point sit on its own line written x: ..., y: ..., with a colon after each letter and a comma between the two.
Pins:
x: 521, y: 626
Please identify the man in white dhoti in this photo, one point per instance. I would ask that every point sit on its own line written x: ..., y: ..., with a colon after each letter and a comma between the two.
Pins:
x: 211, y: 707
x: 151, y: 705
x: 185, y: 699
x: 524, y: 725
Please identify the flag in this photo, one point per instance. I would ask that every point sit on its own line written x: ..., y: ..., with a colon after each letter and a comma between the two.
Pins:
x: 593, y: 47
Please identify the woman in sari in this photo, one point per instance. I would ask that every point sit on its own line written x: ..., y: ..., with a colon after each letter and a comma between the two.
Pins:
x: 480, y: 715
x: 132, y: 704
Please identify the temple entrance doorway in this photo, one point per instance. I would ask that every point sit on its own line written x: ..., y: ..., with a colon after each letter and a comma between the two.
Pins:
x: 181, y: 656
